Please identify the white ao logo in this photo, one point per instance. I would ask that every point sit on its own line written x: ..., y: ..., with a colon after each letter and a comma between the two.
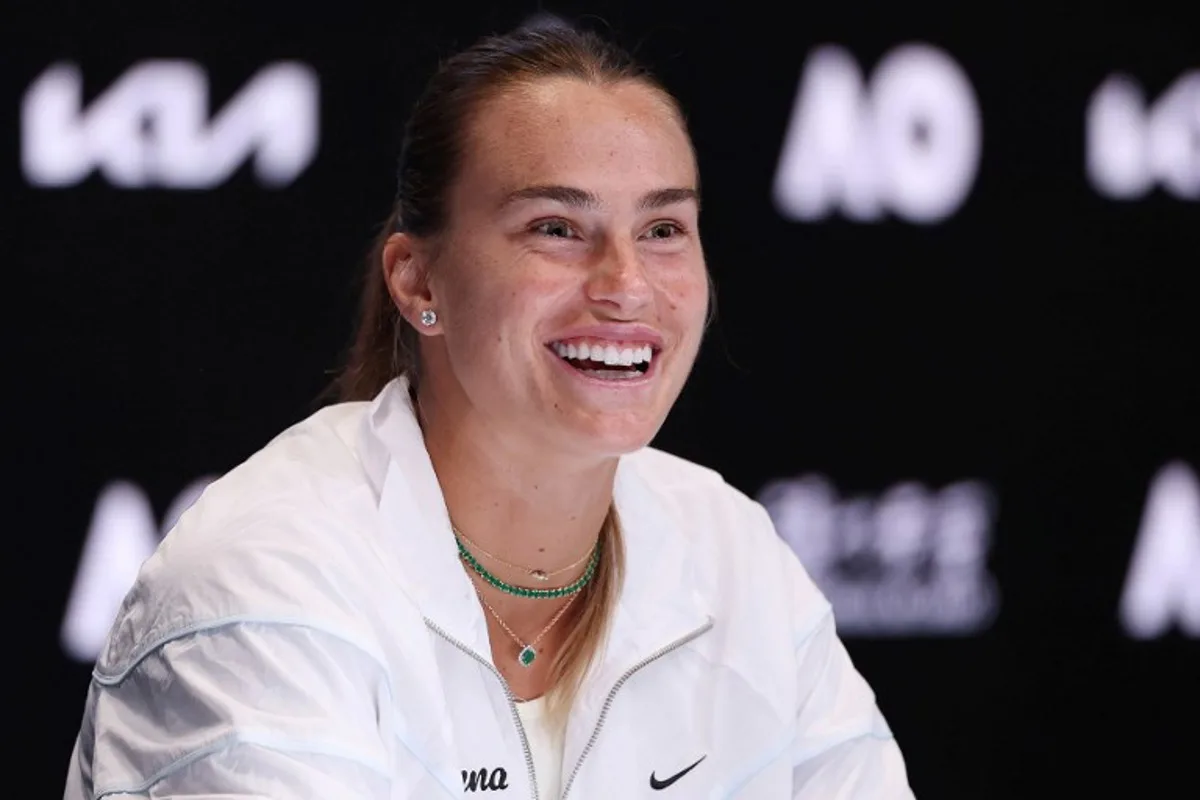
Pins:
x: 151, y: 128
x: 1162, y: 588
x: 908, y: 143
x: 1131, y: 147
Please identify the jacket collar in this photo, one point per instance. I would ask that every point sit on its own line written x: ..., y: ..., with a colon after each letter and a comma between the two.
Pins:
x: 659, y: 600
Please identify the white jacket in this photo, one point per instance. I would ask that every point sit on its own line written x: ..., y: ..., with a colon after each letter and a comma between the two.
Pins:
x: 307, y: 631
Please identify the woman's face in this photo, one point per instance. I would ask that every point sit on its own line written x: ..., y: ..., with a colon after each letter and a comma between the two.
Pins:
x: 570, y: 282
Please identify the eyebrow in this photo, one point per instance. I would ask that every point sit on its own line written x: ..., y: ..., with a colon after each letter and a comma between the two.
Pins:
x: 667, y: 197
x: 581, y: 199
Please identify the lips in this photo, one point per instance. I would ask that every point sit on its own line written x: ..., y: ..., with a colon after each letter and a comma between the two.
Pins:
x: 608, y: 361
x: 612, y: 353
x: 594, y: 353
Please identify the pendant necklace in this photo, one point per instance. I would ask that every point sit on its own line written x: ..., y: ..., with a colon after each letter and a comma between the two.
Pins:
x: 528, y: 651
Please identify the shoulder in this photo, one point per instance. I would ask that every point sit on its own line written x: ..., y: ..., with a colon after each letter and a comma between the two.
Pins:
x: 706, y: 506
x: 740, y: 562
x: 305, y: 475
x: 281, y: 539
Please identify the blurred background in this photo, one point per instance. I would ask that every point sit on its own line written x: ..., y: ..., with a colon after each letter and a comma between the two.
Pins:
x: 957, y: 350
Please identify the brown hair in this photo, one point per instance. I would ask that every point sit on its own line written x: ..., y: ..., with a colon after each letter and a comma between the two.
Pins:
x: 385, y: 345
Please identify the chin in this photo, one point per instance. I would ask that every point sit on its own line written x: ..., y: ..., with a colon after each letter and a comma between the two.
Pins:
x: 618, y: 438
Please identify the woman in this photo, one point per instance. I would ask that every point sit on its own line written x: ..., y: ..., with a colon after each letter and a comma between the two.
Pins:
x: 473, y: 575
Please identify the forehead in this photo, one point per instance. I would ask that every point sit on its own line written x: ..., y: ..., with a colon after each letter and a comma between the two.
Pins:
x: 622, y: 136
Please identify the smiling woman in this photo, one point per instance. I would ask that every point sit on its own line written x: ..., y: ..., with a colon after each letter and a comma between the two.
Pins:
x: 572, y: 215
x: 473, y: 566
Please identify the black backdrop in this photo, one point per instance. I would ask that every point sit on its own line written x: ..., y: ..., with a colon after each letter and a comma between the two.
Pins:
x: 1039, y: 343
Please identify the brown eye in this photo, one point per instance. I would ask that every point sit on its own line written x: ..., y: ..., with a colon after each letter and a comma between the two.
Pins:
x: 664, y: 230
x: 554, y: 228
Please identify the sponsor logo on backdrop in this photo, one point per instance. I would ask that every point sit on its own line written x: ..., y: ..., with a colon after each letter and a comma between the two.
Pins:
x: 1162, y: 587
x: 909, y: 562
x: 123, y: 533
x: 152, y: 128
x: 1134, y: 146
x: 908, y: 142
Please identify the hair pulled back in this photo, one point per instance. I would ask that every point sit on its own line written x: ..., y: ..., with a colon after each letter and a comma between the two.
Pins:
x: 385, y: 345
x: 431, y: 153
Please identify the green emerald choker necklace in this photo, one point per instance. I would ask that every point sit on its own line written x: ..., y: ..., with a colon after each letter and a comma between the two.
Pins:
x: 523, y: 591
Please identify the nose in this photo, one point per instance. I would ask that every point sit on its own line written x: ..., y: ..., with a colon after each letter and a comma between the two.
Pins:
x: 619, y: 282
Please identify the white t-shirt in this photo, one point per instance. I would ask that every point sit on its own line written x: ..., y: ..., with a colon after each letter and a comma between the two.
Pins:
x: 546, y: 746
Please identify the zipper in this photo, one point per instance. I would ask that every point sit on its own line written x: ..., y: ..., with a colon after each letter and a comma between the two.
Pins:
x: 675, y: 645
x: 512, y: 701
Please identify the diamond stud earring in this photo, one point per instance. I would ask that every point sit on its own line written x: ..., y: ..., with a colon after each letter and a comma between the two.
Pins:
x: 428, y: 317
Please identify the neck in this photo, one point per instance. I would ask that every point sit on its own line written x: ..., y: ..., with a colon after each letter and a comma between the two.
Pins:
x: 509, y: 495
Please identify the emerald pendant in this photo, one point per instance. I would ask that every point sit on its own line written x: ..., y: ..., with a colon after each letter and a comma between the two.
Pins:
x: 527, y: 655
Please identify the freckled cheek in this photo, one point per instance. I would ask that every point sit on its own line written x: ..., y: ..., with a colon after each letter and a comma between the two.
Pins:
x: 471, y: 325
x: 500, y: 316
x: 686, y: 299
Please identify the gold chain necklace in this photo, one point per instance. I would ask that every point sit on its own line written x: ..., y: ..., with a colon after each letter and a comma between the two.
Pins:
x: 528, y: 651
x: 536, y: 574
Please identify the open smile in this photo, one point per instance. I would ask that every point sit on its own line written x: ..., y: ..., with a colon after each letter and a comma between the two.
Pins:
x: 609, y: 362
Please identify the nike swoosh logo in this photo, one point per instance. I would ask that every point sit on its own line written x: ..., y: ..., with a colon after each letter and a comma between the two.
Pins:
x: 655, y: 783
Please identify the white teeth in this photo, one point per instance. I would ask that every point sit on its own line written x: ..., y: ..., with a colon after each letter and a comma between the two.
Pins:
x: 607, y: 354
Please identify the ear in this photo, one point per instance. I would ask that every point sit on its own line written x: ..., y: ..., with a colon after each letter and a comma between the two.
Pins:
x: 406, y: 274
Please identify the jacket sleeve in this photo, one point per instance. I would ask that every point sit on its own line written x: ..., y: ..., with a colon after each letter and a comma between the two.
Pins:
x: 843, y: 747
x: 242, y: 710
